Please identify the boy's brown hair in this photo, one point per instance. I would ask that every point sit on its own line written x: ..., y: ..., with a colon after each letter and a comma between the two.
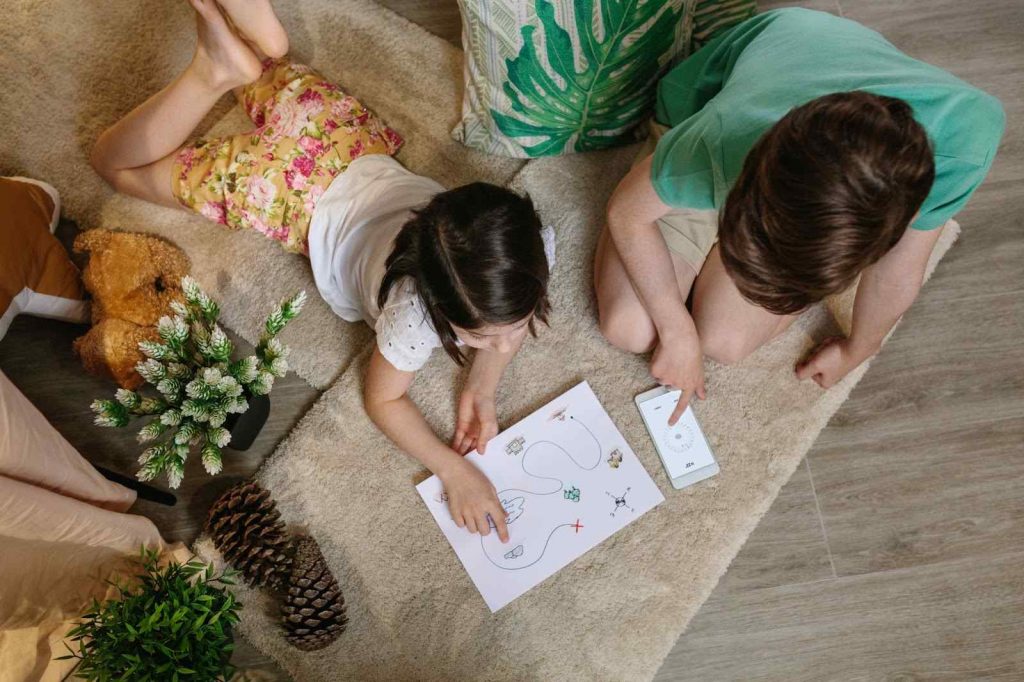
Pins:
x: 826, y: 192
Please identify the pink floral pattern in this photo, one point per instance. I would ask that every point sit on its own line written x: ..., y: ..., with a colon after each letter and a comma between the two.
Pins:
x: 307, y: 131
x: 214, y: 210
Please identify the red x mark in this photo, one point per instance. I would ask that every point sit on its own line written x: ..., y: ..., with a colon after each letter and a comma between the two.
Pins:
x: 576, y: 525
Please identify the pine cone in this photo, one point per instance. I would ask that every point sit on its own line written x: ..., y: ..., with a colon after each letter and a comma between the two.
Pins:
x: 247, y: 529
x: 314, y: 608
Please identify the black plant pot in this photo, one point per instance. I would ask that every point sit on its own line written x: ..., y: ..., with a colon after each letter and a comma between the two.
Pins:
x: 246, y: 426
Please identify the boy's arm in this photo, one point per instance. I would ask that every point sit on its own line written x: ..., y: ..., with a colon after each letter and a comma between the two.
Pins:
x: 886, y: 291
x: 477, y: 419
x: 632, y: 214
x: 471, y: 496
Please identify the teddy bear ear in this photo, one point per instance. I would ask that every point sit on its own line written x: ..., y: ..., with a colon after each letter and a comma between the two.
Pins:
x: 90, y: 240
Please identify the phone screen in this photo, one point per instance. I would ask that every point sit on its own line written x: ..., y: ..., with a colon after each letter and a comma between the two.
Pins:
x: 683, y: 447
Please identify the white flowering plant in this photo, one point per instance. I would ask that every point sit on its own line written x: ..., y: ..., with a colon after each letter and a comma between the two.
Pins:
x: 197, y: 384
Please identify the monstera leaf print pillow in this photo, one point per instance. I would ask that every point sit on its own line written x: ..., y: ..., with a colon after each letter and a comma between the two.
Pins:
x: 548, y: 77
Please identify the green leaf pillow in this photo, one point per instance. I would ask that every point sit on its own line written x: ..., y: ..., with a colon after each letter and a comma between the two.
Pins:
x: 712, y: 17
x: 554, y: 77
x: 545, y: 78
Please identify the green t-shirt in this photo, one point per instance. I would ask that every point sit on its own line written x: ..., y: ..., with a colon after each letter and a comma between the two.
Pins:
x: 719, y: 101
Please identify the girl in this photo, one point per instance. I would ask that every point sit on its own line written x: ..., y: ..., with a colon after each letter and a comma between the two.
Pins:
x: 427, y: 267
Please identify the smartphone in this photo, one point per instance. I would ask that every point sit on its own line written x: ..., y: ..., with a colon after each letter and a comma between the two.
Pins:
x: 683, y: 449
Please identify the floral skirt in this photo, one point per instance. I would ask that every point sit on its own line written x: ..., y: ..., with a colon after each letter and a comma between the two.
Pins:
x: 270, y: 179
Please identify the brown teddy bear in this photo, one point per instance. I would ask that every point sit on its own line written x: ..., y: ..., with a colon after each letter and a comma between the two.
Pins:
x: 132, y: 278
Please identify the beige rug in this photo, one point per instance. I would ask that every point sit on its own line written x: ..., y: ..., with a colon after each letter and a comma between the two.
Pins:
x: 614, y: 613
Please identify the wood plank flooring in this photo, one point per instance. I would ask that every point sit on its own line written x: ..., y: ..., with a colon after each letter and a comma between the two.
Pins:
x: 896, y: 551
x: 950, y: 621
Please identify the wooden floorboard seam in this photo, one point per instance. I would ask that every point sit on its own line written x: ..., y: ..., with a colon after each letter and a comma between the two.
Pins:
x: 821, y: 518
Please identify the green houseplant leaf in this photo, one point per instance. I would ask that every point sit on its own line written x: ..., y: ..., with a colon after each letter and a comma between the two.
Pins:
x: 172, y: 620
x: 597, y: 105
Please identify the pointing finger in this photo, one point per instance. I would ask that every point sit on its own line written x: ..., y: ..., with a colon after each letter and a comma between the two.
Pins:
x: 498, y: 516
x: 684, y: 400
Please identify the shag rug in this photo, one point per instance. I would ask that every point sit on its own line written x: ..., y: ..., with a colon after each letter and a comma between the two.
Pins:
x: 70, y: 69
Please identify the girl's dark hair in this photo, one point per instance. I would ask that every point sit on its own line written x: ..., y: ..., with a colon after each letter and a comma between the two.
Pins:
x: 477, y: 258
x: 826, y: 192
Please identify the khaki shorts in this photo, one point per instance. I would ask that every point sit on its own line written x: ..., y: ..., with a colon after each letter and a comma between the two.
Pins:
x: 688, y: 233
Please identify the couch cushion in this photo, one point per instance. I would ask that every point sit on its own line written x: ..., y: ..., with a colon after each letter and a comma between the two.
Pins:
x: 36, y: 275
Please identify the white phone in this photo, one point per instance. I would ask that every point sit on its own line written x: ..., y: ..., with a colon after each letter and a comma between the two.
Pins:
x: 684, y: 451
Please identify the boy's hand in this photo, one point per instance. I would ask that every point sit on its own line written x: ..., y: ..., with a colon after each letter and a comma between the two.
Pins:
x: 679, y: 364
x: 477, y: 422
x: 472, y: 499
x: 832, y: 360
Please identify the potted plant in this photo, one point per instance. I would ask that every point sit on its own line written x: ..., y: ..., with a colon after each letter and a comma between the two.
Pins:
x: 200, y: 397
x: 174, y: 623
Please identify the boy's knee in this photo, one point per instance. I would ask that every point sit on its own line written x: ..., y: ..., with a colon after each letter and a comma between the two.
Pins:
x: 625, y: 328
x: 723, y: 345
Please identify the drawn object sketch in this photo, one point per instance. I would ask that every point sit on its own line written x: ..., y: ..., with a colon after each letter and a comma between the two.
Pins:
x: 561, y: 494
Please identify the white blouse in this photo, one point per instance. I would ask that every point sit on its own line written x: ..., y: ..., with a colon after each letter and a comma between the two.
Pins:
x: 352, y: 232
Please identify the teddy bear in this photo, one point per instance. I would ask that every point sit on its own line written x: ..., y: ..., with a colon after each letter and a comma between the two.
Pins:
x: 133, y: 278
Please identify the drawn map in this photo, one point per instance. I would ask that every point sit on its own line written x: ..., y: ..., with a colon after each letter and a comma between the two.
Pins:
x: 567, y: 480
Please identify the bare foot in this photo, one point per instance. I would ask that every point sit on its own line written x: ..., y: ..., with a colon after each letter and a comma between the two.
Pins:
x: 222, y: 59
x: 256, y: 20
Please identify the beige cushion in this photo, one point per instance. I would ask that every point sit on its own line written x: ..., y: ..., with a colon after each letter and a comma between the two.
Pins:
x: 36, y: 275
x: 62, y: 534
x: 34, y: 452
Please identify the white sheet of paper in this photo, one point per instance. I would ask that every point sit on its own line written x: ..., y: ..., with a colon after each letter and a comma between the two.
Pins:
x: 684, y: 446
x: 567, y: 479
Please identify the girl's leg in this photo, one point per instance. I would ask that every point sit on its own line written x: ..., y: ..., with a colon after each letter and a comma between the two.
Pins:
x: 257, y: 22
x: 136, y: 154
x: 269, y: 178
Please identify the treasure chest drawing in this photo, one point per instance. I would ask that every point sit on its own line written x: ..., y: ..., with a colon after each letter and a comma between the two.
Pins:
x: 515, y: 446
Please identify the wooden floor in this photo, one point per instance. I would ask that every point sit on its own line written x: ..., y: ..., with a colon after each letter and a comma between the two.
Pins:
x: 897, y: 549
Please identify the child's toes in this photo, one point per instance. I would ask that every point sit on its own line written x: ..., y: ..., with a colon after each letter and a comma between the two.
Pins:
x: 208, y: 10
x: 256, y: 20
x: 275, y: 44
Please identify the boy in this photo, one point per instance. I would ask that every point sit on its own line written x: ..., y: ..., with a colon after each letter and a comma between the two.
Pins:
x: 812, y: 151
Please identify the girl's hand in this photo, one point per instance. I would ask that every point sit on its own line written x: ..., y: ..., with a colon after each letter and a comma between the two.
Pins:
x: 832, y: 360
x: 472, y: 499
x: 477, y: 422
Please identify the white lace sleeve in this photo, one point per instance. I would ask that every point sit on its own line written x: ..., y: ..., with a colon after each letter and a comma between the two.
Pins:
x: 405, y: 336
x: 547, y: 233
